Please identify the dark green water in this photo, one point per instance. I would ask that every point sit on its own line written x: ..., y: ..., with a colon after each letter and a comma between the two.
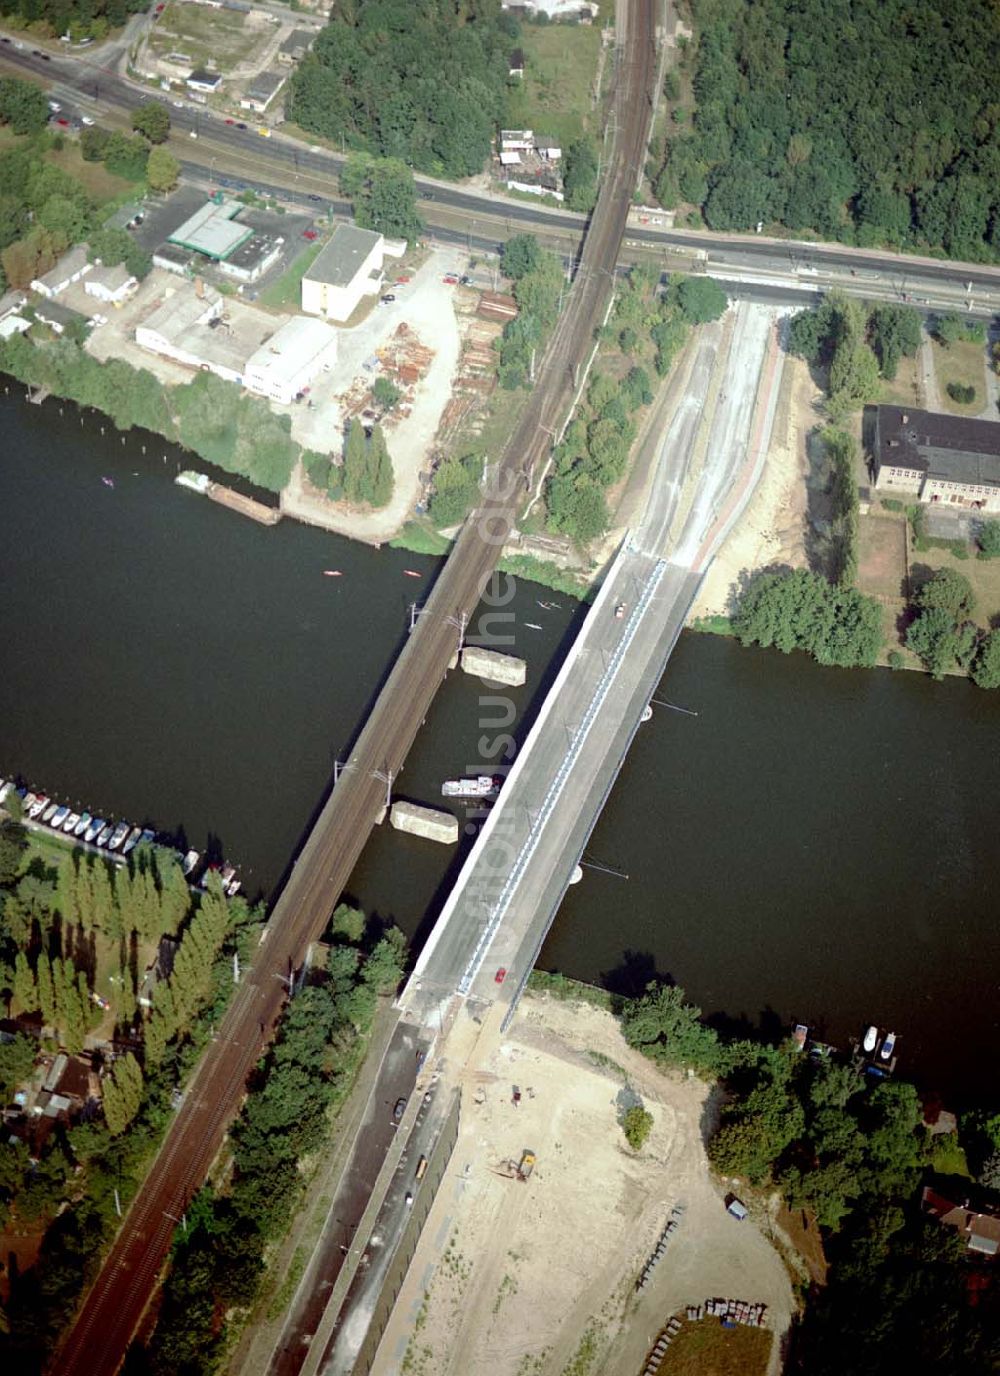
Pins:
x: 816, y: 845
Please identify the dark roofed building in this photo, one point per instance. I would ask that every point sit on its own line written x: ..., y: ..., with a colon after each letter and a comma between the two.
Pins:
x: 981, y: 1230
x: 941, y: 459
x: 295, y: 46
x: 517, y: 63
x: 262, y: 90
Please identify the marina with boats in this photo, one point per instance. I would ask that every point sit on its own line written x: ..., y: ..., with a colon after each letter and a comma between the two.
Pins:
x: 105, y: 836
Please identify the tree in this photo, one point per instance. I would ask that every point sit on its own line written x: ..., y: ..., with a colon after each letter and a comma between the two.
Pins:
x: 985, y: 671
x: 802, y: 611
x: 637, y: 1124
x: 383, y: 194
x: 94, y: 143
x: 580, y: 175
x: 701, y: 299
x: 949, y: 590
x: 385, y: 393
x: 894, y: 332
x: 162, y: 170
x: 347, y: 924
x: 13, y: 844
x: 356, y: 480
x: 127, y: 157
x: 670, y: 1030
x: 988, y: 540
x: 122, y: 1094
x: 17, y: 1058
x: 152, y: 119
x: 854, y: 371
x: 962, y: 392
x: 380, y: 469
x: 810, y: 332
x: 521, y: 256
x: 25, y: 991
x: 23, y: 106
x: 940, y: 641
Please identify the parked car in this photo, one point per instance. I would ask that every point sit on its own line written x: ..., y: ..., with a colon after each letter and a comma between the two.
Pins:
x: 388, y: 299
x: 402, y: 281
x: 309, y: 234
x: 240, y: 125
x: 397, y: 1112
x: 451, y: 280
x: 85, y: 119
x: 500, y: 975
x: 736, y: 1207
x: 465, y: 281
x: 63, y: 122
x: 230, y: 121
x: 314, y: 197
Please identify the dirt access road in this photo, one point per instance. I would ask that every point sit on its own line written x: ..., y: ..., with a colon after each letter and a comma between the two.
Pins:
x: 511, y: 1279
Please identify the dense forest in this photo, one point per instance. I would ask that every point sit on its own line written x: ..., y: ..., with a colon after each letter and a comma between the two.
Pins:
x: 875, y: 123
x: 79, y: 18
x: 425, y: 83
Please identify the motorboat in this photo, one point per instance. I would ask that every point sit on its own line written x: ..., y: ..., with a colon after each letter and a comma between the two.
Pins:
x: 190, y: 861
x: 28, y: 802
x: 39, y: 805
x: 69, y: 825
x: 82, y: 824
x: 48, y: 813
x: 483, y: 786
x: 870, y: 1040
x: 132, y: 840
x: 105, y: 833
x: 94, y: 829
x: 58, y: 817
x: 233, y: 887
x: 888, y: 1047
x: 799, y: 1036
x: 118, y: 835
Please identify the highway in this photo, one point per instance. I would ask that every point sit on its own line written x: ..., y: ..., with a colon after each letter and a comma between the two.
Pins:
x: 110, y: 1313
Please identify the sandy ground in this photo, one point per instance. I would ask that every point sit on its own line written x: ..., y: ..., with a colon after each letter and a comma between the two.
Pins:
x: 509, y: 1277
x: 427, y: 306
x: 772, y: 530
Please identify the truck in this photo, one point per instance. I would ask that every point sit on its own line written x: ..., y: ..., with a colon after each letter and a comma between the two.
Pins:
x: 526, y: 1164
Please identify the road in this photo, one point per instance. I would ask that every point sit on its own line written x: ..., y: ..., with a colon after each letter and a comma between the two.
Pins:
x: 470, y: 215
x: 97, y: 1343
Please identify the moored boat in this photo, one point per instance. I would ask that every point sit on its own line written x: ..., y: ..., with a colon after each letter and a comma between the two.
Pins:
x: 799, y: 1036
x: 104, y: 835
x: 870, y: 1040
x: 27, y: 803
x: 49, y: 812
x: 190, y: 861
x: 888, y: 1046
x: 132, y: 840
x: 227, y: 875
x: 70, y: 823
x: 94, y: 829
x: 118, y: 835
x: 82, y: 824
x: 39, y: 805
x: 147, y: 837
x: 233, y: 887
x: 58, y: 817
x: 483, y: 786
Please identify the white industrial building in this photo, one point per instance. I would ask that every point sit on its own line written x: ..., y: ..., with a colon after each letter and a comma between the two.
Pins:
x: 285, y: 365
x: 69, y: 269
x: 111, y: 285
x: 348, y: 268
x: 168, y: 330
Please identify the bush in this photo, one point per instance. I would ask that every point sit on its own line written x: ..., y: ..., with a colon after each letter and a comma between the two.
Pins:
x: 988, y: 540
x: 637, y: 1125
x: 961, y: 392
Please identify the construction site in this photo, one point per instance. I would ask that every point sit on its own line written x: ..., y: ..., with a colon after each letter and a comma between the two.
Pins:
x: 535, y: 1257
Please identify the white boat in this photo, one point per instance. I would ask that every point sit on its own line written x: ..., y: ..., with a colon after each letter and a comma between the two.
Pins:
x: 58, y: 817
x: 871, y: 1038
x: 5, y: 790
x: 233, y: 887
x: 82, y: 824
x: 483, y: 786
x: 888, y: 1047
x: 27, y: 803
x: 48, y: 813
x: 70, y: 823
x: 197, y: 482
x: 118, y: 835
x: 190, y: 861
x: 94, y: 830
x: 799, y: 1036
x: 132, y: 840
x: 104, y: 836
x: 228, y: 875
x: 39, y: 805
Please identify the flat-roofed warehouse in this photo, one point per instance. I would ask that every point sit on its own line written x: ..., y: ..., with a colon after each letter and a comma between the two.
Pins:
x: 348, y: 268
x: 286, y: 364
x: 213, y: 230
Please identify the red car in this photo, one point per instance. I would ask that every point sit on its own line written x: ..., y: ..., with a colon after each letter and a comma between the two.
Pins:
x: 230, y: 121
x: 63, y: 123
x: 401, y: 281
x: 451, y: 280
x: 309, y: 234
x: 500, y: 975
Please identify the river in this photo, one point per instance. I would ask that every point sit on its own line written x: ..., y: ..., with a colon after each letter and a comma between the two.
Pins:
x: 815, y: 845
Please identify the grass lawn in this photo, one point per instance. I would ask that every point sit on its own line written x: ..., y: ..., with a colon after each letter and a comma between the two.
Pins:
x: 963, y: 362
x: 220, y: 39
x: 286, y: 292
x: 708, y: 1349
x: 98, y: 182
x: 554, y: 96
x: 902, y: 391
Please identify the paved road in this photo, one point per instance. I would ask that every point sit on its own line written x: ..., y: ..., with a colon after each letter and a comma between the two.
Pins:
x: 111, y: 1311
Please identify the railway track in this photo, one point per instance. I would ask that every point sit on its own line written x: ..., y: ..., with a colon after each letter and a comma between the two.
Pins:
x: 110, y: 1314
